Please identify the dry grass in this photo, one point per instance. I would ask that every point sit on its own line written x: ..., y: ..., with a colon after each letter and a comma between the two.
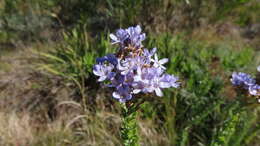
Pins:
x: 218, y: 34
x: 15, y: 129
x: 31, y: 114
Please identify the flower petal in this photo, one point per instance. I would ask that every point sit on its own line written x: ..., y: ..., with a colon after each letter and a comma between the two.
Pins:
x: 116, y: 95
x: 136, y: 91
x: 158, y: 92
x: 163, y: 61
x: 164, y: 85
x: 102, y: 78
x: 113, y: 37
x: 155, y: 57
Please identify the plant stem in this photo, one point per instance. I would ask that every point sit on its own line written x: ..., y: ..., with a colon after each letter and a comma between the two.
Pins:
x: 129, y: 126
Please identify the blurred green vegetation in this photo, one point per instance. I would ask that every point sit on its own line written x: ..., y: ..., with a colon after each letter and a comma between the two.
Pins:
x: 29, y: 19
x: 204, y: 111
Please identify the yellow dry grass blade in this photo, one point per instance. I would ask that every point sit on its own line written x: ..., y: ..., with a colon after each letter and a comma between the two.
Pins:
x: 52, y: 57
x: 74, y: 120
x: 50, y: 69
x: 71, y: 103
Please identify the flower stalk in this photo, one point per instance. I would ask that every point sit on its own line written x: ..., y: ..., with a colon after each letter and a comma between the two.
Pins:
x: 129, y: 128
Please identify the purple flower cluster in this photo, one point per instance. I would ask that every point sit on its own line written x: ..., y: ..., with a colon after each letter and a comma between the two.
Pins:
x: 247, y: 82
x: 133, y: 69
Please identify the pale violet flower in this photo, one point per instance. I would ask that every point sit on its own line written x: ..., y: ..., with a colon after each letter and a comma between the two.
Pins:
x: 159, y: 63
x: 254, y: 90
x: 242, y: 79
x: 130, y: 36
x: 125, y: 66
x: 247, y: 82
x: 153, y: 80
x: 120, y: 37
x: 123, y: 93
x: 168, y: 81
x: 133, y: 69
x: 103, y: 71
x: 111, y: 58
x: 148, y: 53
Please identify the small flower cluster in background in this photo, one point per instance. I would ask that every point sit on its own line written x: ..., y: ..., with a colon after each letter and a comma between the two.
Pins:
x: 133, y: 69
x: 247, y: 82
